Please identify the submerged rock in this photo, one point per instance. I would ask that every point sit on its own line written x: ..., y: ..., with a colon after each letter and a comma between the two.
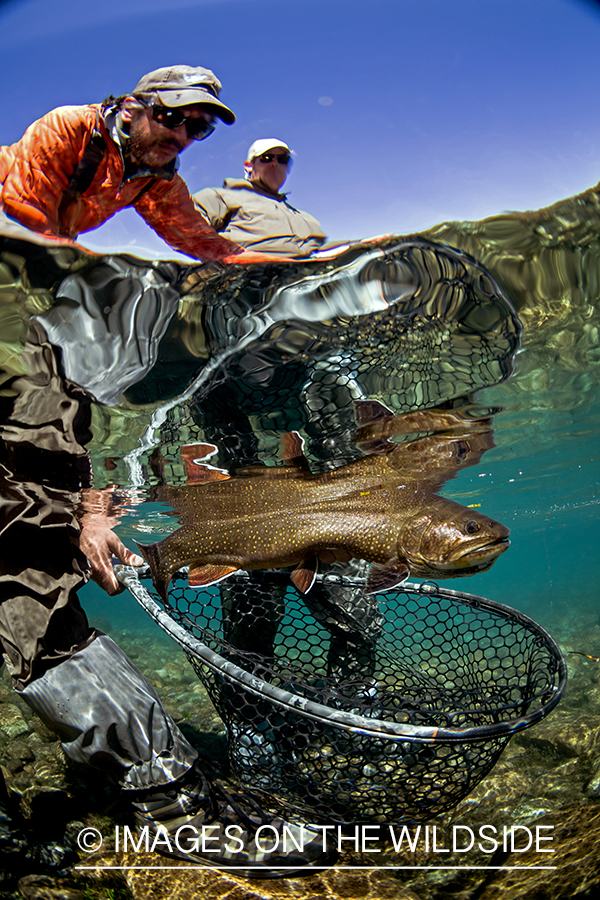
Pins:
x: 12, y: 722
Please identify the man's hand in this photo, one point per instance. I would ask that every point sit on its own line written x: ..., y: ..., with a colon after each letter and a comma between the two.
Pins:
x: 251, y: 256
x: 98, y: 541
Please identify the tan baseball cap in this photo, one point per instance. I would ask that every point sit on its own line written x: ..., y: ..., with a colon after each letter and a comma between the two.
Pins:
x: 263, y: 146
x: 184, y: 86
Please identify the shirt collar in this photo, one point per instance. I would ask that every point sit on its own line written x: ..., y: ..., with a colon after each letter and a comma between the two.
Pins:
x: 262, y: 188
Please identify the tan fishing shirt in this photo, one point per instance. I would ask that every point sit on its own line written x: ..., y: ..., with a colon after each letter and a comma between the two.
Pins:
x: 254, y: 217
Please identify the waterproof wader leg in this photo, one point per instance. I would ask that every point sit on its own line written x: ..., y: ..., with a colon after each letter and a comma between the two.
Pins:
x: 107, y: 715
x: 354, y: 622
x: 253, y: 607
x: 79, y: 681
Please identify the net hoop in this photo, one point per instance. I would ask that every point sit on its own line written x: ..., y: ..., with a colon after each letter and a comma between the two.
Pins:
x: 347, y: 721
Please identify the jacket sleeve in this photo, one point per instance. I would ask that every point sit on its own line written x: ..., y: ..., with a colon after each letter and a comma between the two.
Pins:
x: 211, y: 204
x: 169, y: 209
x: 43, y: 162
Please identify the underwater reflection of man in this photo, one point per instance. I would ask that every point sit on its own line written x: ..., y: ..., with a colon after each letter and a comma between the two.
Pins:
x: 78, y: 165
x: 253, y: 211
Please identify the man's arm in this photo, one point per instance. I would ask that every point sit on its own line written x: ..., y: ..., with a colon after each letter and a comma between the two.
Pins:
x: 169, y: 209
x: 211, y: 205
x: 98, y: 542
x: 41, y: 164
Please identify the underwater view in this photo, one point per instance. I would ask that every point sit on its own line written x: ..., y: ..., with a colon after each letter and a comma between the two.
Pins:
x: 326, y: 404
x: 298, y: 541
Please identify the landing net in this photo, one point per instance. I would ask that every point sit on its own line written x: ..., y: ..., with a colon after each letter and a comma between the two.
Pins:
x: 352, y: 707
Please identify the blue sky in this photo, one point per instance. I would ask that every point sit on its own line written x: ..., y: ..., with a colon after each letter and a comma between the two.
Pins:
x: 402, y: 113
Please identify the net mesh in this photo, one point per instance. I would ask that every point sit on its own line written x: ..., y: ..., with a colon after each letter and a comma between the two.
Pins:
x: 353, y: 708
x: 341, y: 704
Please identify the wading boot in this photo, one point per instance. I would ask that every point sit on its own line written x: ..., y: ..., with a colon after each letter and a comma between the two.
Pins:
x: 200, y: 822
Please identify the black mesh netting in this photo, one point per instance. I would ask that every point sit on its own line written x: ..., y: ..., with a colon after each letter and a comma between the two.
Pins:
x: 392, y: 710
x: 278, y: 348
x: 363, y: 367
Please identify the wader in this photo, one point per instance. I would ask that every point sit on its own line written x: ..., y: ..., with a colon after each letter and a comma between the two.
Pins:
x: 75, y: 678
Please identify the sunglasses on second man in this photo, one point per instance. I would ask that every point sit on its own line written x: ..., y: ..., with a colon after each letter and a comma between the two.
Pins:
x: 283, y: 159
x: 197, y: 129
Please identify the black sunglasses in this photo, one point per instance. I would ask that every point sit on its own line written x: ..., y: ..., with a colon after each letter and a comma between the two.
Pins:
x: 283, y: 158
x: 197, y: 129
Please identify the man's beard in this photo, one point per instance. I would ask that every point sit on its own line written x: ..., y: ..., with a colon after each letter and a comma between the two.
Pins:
x: 153, y: 154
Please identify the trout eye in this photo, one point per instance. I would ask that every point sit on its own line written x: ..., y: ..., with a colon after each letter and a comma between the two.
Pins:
x: 471, y: 528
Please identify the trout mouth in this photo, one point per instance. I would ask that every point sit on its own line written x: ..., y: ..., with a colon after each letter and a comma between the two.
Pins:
x: 481, y: 557
x: 468, y: 561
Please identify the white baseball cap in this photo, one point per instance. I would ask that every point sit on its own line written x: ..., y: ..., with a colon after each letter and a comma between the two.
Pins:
x: 263, y: 146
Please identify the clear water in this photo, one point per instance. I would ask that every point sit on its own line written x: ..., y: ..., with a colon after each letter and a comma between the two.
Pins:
x: 542, y: 480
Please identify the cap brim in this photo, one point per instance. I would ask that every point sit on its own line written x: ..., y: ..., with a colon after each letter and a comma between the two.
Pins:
x: 276, y: 147
x: 192, y: 96
x: 264, y: 146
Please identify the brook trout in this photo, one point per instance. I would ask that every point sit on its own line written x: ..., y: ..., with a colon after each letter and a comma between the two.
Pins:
x: 381, y: 508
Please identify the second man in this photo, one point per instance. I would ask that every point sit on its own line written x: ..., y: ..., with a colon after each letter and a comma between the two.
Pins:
x: 253, y: 213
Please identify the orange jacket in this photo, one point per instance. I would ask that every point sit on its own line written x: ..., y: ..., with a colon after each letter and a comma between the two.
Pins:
x: 35, y: 172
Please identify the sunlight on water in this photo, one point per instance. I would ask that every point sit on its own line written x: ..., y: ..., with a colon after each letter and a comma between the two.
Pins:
x: 542, y: 478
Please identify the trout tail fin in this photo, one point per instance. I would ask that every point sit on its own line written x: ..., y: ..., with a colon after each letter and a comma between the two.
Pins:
x: 160, y: 579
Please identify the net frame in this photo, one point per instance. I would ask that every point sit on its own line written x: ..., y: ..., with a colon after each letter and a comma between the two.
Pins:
x: 350, y: 721
x: 448, y: 762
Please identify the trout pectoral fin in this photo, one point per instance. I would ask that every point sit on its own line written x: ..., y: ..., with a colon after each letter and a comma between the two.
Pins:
x: 201, y: 474
x: 258, y: 470
x: 200, y: 574
x: 198, y: 451
x: 371, y: 417
x: 368, y: 411
x: 292, y: 452
x: 291, y: 469
x: 387, y: 576
x: 291, y: 445
x: 303, y: 576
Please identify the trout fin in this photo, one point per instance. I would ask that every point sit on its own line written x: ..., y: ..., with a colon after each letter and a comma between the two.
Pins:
x: 288, y: 470
x: 202, y: 574
x: 292, y: 452
x: 372, y: 419
x: 197, y: 472
x: 151, y: 554
x: 257, y: 470
x: 368, y: 411
x: 387, y: 576
x: 303, y: 576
